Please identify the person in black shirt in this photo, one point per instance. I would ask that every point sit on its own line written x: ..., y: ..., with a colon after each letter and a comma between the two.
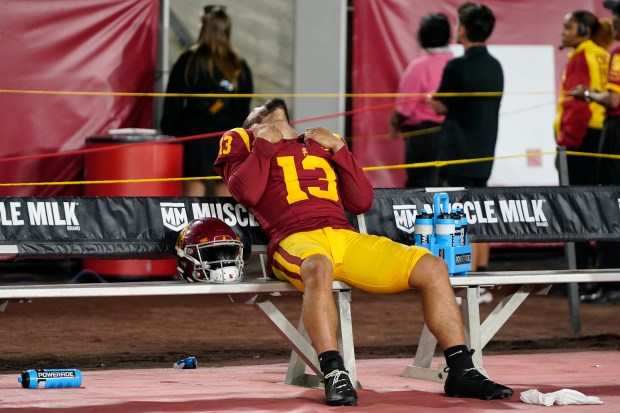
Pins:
x: 211, y: 66
x: 471, y: 123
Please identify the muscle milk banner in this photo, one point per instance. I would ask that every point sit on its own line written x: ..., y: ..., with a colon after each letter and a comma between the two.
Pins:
x: 146, y: 228
x: 507, y: 214
x: 112, y: 227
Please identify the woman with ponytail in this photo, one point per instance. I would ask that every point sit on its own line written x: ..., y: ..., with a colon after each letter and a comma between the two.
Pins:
x: 210, y: 66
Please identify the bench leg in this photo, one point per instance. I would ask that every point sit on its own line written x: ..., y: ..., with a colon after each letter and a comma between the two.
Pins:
x: 477, y: 335
x: 345, y: 334
x: 303, y: 353
x: 296, y: 372
x: 470, y: 314
x: 501, y: 313
x: 289, y: 333
x: 421, y: 367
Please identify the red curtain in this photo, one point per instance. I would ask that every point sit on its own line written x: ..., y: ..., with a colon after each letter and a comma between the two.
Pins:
x: 384, y: 41
x: 70, y: 46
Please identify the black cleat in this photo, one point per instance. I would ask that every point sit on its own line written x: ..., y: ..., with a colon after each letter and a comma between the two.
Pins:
x: 339, y: 390
x: 471, y: 383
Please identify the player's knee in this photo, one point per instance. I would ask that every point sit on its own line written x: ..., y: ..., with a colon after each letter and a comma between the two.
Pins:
x: 316, y: 270
x: 429, y: 269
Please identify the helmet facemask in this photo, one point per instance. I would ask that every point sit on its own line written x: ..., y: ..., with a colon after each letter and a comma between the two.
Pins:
x: 218, y: 261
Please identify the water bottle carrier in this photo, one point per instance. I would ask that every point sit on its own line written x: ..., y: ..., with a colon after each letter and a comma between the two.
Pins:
x: 445, y: 242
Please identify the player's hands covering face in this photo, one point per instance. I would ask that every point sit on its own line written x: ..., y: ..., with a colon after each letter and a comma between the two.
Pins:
x: 325, y: 138
x: 268, y: 132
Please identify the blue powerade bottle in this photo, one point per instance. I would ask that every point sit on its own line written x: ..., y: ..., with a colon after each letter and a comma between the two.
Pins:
x: 464, y: 237
x: 458, y: 228
x: 444, y: 230
x: 423, y: 231
x: 186, y: 363
x: 50, y: 378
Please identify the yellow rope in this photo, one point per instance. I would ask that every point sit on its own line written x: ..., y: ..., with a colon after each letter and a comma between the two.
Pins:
x: 207, y: 178
x: 593, y: 155
x: 368, y: 168
x: 454, y: 162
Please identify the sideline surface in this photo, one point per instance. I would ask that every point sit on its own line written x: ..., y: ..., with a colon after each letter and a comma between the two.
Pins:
x: 259, y: 388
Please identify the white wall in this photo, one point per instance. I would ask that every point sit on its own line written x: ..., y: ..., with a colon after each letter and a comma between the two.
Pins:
x: 320, y: 60
x: 526, y: 115
x: 263, y: 33
x: 291, y: 46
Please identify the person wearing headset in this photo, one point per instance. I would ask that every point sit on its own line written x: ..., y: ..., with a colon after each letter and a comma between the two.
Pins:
x: 578, y: 123
x: 609, y: 173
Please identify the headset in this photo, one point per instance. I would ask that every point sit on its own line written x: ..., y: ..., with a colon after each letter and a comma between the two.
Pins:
x: 582, y: 30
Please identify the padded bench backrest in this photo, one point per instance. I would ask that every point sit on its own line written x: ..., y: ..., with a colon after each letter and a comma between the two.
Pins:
x: 147, y: 227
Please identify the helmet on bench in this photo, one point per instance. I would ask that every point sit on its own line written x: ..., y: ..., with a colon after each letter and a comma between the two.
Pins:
x: 208, y: 250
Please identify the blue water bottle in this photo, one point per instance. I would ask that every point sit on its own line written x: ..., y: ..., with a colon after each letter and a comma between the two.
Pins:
x: 186, y: 363
x: 444, y: 230
x: 458, y: 228
x: 464, y: 239
x: 50, y: 378
x: 423, y: 230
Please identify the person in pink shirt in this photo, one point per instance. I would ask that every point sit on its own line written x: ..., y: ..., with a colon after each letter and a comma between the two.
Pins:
x: 419, y: 123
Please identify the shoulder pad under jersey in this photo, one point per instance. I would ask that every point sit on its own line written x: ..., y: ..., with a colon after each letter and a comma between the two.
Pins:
x: 236, y: 141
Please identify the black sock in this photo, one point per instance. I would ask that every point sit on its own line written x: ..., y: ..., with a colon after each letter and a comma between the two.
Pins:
x: 330, y: 361
x: 481, y: 268
x: 458, y: 358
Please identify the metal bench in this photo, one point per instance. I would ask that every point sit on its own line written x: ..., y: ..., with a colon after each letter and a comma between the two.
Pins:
x: 108, y: 227
x: 255, y: 292
x: 259, y: 291
x: 520, y: 284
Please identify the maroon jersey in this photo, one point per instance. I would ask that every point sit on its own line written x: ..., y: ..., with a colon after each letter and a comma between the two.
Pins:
x: 292, y: 186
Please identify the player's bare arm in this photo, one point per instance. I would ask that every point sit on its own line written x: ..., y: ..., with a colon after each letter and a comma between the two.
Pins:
x: 325, y: 138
